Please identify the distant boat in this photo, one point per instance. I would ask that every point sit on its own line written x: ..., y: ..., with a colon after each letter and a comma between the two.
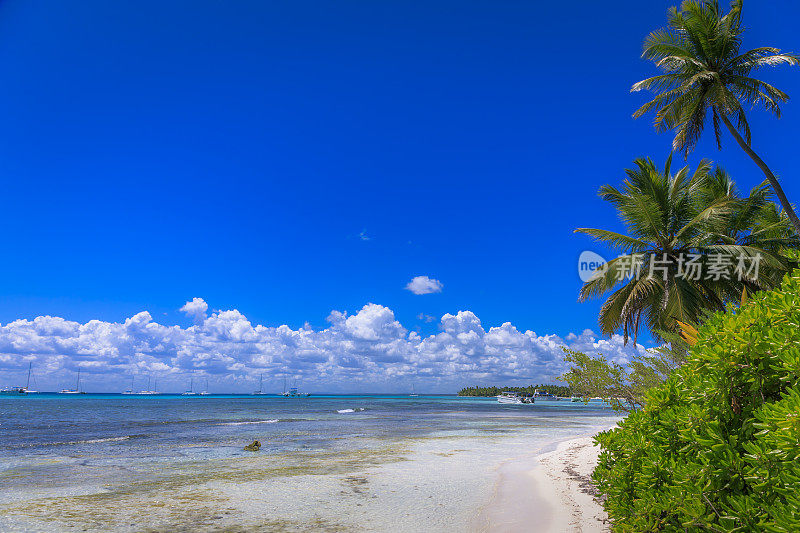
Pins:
x: 544, y: 395
x: 205, y: 392
x: 149, y: 392
x: 28, y: 382
x: 77, y: 389
x: 190, y: 391
x: 13, y: 391
x: 413, y: 392
x: 260, y: 390
x: 293, y: 392
x: 130, y: 391
x: 509, y: 398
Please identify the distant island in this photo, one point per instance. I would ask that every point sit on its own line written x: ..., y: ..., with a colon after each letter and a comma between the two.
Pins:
x: 555, y: 390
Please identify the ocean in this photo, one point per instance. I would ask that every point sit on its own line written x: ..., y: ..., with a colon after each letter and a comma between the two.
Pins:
x: 170, y: 462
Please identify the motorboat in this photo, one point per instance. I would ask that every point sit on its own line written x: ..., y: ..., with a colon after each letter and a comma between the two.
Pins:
x: 13, y: 391
x: 294, y: 393
x: 509, y: 398
x: 542, y: 395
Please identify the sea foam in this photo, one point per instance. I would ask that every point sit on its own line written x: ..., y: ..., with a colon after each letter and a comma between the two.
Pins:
x: 247, y: 423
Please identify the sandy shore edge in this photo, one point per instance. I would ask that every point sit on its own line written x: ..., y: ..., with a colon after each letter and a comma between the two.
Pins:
x: 549, y: 490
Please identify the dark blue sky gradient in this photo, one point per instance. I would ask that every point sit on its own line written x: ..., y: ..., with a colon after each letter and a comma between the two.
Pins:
x: 151, y: 152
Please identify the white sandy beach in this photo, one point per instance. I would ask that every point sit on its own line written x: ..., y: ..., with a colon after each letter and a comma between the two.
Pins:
x: 445, y: 483
x: 547, y: 492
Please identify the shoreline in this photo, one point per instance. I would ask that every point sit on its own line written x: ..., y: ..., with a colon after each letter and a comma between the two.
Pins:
x: 441, y: 477
x: 549, y: 490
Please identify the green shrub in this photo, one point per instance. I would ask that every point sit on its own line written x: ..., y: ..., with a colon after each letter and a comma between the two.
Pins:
x: 717, y: 446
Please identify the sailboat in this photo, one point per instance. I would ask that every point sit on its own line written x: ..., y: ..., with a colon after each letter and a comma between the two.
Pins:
x: 28, y: 382
x: 205, y: 392
x: 413, y: 392
x: 20, y: 390
x: 260, y: 390
x: 77, y: 389
x: 148, y: 391
x: 191, y: 391
x: 293, y: 392
x: 130, y: 391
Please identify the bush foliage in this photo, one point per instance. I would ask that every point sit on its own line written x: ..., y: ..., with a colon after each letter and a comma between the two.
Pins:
x: 717, y: 446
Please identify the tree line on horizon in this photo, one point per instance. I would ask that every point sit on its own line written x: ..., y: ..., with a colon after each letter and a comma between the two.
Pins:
x: 555, y: 390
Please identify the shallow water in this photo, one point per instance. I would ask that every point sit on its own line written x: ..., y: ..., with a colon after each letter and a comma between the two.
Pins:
x: 63, y: 456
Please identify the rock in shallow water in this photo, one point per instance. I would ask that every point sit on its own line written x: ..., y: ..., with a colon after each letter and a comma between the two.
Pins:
x: 254, y: 447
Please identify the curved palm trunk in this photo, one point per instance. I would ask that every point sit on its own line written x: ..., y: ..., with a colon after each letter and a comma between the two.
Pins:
x: 773, y: 181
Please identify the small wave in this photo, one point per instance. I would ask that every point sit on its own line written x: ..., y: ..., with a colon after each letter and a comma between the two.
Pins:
x: 71, y: 442
x: 108, y: 439
x: 246, y: 423
x: 357, y: 409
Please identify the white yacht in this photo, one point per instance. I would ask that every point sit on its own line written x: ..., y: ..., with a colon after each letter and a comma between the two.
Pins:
x: 293, y: 392
x: 509, y: 397
x: 542, y: 395
x: 149, y: 392
x: 190, y: 391
x: 77, y: 389
x: 260, y: 391
x: 130, y: 391
x: 8, y: 391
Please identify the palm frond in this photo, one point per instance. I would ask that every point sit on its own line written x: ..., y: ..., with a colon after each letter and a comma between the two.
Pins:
x: 619, y: 241
x: 703, y: 69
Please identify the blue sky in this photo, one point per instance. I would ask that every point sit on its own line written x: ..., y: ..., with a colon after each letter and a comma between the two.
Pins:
x: 291, y: 159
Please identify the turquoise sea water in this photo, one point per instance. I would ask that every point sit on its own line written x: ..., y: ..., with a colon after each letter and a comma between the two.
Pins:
x: 57, y: 446
x: 174, y: 426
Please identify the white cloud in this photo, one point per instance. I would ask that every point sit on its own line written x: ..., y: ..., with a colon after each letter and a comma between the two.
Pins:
x: 196, y: 308
x: 369, y: 350
x: 424, y: 285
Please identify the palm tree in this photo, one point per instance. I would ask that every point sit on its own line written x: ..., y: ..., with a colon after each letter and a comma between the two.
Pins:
x: 705, y: 71
x: 753, y: 222
x: 678, y: 226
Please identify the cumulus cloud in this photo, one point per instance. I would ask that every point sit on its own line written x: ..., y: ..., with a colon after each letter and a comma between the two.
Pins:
x: 424, y: 285
x: 196, y: 308
x: 368, y: 350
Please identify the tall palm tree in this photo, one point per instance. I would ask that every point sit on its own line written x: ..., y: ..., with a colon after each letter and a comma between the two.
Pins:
x: 672, y: 219
x: 705, y: 71
x: 752, y: 223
